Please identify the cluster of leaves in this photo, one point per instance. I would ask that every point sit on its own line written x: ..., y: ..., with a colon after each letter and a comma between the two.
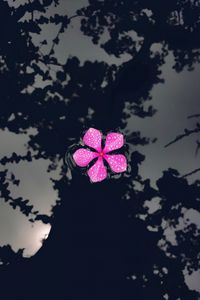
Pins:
x: 8, y: 256
x: 23, y: 205
x: 175, y: 24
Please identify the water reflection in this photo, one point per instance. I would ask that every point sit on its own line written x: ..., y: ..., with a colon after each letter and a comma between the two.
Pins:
x: 34, y: 184
x: 100, y: 233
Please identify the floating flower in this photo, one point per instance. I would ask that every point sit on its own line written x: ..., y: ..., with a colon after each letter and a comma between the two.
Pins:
x: 93, y: 139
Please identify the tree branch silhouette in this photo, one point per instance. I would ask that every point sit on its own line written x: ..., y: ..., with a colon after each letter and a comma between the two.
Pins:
x: 188, y: 132
x: 191, y: 173
x: 194, y: 116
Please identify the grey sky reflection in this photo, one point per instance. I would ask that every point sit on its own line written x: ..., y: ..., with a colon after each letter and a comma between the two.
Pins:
x: 174, y: 100
x: 35, y: 185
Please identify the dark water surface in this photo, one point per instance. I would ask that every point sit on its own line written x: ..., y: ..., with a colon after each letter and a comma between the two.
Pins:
x: 116, y: 66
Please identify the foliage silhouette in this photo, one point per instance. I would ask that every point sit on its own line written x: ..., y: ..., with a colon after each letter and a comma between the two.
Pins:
x: 104, y: 243
x: 188, y: 132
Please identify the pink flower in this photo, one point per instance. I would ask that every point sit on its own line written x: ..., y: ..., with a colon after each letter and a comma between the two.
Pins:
x: 93, y: 139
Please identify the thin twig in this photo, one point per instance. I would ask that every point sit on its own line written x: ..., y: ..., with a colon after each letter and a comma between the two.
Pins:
x: 194, y: 116
x: 58, y: 33
x: 191, y: 173
x: 181, y: 136
x: 54, y: 43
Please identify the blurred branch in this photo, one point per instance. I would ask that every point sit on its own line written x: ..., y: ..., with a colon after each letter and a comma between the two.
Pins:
x: 194, y: 116
x: 197, y: 148
x: 191, y: 173
x: 186, y: 133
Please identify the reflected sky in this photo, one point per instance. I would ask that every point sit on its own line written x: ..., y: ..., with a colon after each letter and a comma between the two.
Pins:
x: 174, y: 100
x: 168, y: 121
x: 36, y: 186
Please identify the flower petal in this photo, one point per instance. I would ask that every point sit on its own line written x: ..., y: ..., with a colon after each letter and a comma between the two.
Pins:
x: 98, y: 171
x: 83, y: 157
x: 113, y: 141
x: 92, y: 138
x: 117, y: 162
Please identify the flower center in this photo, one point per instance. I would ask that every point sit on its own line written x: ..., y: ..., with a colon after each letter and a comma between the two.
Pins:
x: 101, y: 153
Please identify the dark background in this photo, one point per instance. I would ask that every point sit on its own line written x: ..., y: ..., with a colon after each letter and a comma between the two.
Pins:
x: 130, y: 66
